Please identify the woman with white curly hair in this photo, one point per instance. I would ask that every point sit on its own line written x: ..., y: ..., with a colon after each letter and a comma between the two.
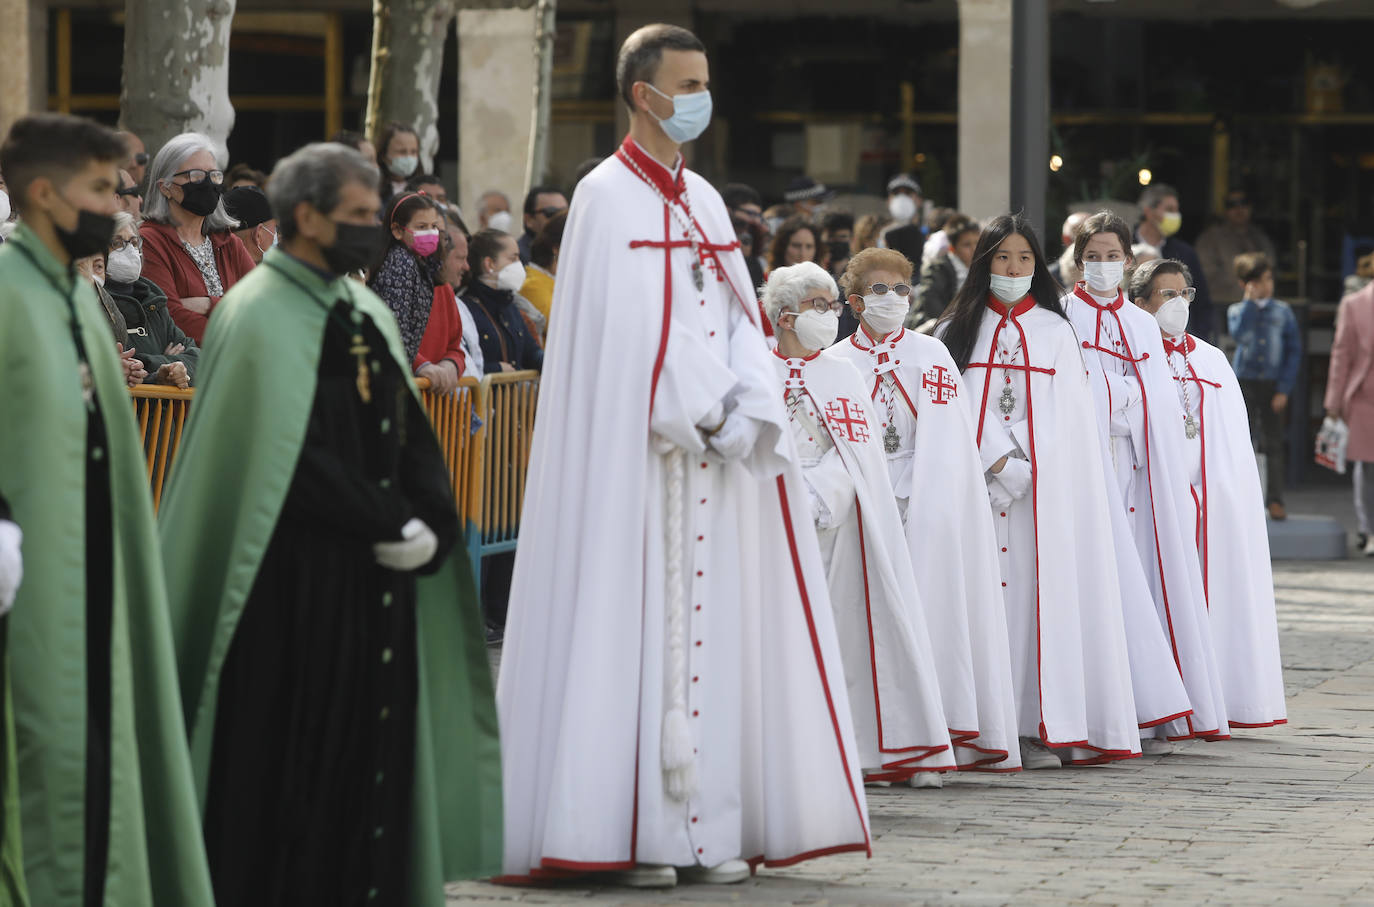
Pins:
x: 898, y: 720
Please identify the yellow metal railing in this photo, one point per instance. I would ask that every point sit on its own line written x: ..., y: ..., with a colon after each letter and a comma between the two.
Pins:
x: 484, y: 429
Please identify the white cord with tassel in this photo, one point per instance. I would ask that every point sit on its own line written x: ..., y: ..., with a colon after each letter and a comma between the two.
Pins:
x: 679, y: 765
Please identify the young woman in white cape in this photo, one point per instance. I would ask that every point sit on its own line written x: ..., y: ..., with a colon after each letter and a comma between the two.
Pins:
x: 1224, y: 484
x: 1025, y: 379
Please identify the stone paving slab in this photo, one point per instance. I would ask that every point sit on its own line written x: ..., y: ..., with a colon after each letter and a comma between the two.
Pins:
x: 1274, y: 816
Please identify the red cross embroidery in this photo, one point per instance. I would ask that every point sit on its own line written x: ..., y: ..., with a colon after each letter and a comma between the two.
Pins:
x: 849, y: 421
x: 939, y: 384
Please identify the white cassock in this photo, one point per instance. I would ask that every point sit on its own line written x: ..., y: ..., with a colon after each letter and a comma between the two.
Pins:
x: 1134, y: 395
x: 1232, y: 538
x: 1026, y: 382
x: 936, y: 475
x: 653, y: 576
x: 894, y: 692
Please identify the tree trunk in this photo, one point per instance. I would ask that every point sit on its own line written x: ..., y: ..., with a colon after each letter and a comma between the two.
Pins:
x: 545, y: 26
x: 14, y: 62
x: 176, y: 71
x: 407, y: 61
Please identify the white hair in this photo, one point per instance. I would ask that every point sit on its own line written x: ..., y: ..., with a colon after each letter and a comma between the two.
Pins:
x: 787, y: 287
x: 125, y: 219
x: 171, y: 158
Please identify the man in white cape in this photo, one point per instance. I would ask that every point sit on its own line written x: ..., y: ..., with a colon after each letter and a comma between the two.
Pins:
x: 671, y: 692
x: 934, y: 472
x: 1134, y: 396
x: 1232, y: 539
x: 894, y: 693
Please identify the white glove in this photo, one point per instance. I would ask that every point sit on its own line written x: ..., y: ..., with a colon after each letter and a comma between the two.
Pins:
x: 1015, y: 477
x: 997, y: 495
x: 11, y: 563
x: 736, y: 437
x: 416, y: 548
x: 713, y: 417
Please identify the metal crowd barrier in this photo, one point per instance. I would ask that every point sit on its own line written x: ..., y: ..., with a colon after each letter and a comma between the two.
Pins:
x: 484, y: 429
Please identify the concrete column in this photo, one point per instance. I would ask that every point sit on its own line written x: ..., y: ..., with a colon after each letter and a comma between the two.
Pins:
x: 985, y: 59
x: 14, y: 62
x: 497, y: 69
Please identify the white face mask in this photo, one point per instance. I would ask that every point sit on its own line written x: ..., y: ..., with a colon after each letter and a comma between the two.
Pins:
x: 499, y: 221
x: 1011, y: 289
x: 1104, y: 276
x: 817, y: 330
x: 124, y: 265
x: 885, y: 313
x: 1173, y: 316
x: 4, y: 206
x: 99, y: 281
x: 902, y: 208
x: 511, y: 277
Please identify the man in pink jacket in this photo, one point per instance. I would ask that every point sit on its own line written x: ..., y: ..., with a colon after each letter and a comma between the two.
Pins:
x: 1350, y: 396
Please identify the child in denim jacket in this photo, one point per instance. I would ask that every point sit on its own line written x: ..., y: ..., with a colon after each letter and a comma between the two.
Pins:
x: 1268, y: 353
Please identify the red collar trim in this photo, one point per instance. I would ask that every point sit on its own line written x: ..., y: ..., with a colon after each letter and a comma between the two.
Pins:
x: 1184, y: 346
x: 1080, y: 290
x: 779, y: 354
x: 658, y: 175
x: 1001, y: 308
x: 862, y: 334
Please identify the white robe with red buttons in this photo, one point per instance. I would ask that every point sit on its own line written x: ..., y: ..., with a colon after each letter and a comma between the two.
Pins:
x: 638, y: 356
x: 1233, y: 540
x: 1122, y: 347
x: 937, y: 479
x: 894, y: 692
x: 1070, y: 667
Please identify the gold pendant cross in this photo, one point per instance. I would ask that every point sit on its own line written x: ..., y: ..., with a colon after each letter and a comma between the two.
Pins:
x: 361, y: 350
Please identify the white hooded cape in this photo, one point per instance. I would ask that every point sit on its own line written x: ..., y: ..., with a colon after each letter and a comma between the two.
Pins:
x: 637, y: 355
x: 1158, y: 503
x: 1069, y: 658
x: 952, y: 543
x: 894, y: 692
x: 1233, y: 541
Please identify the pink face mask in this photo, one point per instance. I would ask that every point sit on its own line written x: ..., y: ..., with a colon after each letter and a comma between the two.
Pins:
x: 424, y: 242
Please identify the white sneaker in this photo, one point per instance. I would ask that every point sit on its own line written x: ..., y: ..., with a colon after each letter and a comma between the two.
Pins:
x: 1155, y: 746
x: 1034, y: 754
x: 646, y: 875
x: 926, y: 779
x: 1369, y: 547
x: 728, y: 873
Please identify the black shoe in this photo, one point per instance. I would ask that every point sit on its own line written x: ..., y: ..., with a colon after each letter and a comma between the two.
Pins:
x: 1361, y: 538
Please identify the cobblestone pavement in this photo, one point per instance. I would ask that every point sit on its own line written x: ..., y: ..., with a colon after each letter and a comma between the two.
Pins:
x: 1282, y: 815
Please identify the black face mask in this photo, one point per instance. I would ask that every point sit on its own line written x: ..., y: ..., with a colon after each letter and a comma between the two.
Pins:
x: 91, y: 236
x: 355, y: 245
x: 200, y: 198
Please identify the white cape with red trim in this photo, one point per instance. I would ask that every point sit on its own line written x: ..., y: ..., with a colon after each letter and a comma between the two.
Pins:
x: 584, y: 679
x: 894, y: 692
x: 1234, y: 546
x: 1160, y: 509
x: 953, y: 547
x: 1063, y: 602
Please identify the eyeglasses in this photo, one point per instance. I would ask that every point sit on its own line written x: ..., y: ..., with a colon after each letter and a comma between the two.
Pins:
x: 880, y: 289
x: 128, y: 190
x: 551, y: 211
x: 1187, y: 293
x: 118, y: 244
x: 198, y: 175
x: 821, y: 304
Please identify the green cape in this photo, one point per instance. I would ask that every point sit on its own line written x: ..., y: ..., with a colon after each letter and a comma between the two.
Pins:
x: 238, y: 453
x: 155, y: 853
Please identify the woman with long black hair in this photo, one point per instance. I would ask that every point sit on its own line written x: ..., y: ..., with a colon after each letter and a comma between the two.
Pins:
x: 1023, y: 377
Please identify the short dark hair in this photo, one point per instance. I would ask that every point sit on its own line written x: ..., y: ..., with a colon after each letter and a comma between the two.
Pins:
x: 839, y: 220
x: 736, y: 194
x: 348, y: 137
x: 1143, y: 277
x: 777, y: 254
x: 242, y: 171
x: 1156, y: 193
x: 1101, y: 222
x: 55, y: 145
x: 642, y: 52
x: 532, y: 197
x: 1252, y: 266
x: 423, y: 179
x: 548, y: 239
x: 484, y: 244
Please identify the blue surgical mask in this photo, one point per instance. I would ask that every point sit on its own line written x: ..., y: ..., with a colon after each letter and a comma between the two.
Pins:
x: 403, y: 167
x: 691, y: 115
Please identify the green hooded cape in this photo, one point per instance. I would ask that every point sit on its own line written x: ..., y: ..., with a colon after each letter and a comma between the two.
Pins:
x: 156, y: 855
x: 238, y: 453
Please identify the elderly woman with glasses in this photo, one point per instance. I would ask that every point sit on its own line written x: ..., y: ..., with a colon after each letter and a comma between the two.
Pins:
x: 167, y: 354
x: 899, y: 724
x: 188, y: 249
